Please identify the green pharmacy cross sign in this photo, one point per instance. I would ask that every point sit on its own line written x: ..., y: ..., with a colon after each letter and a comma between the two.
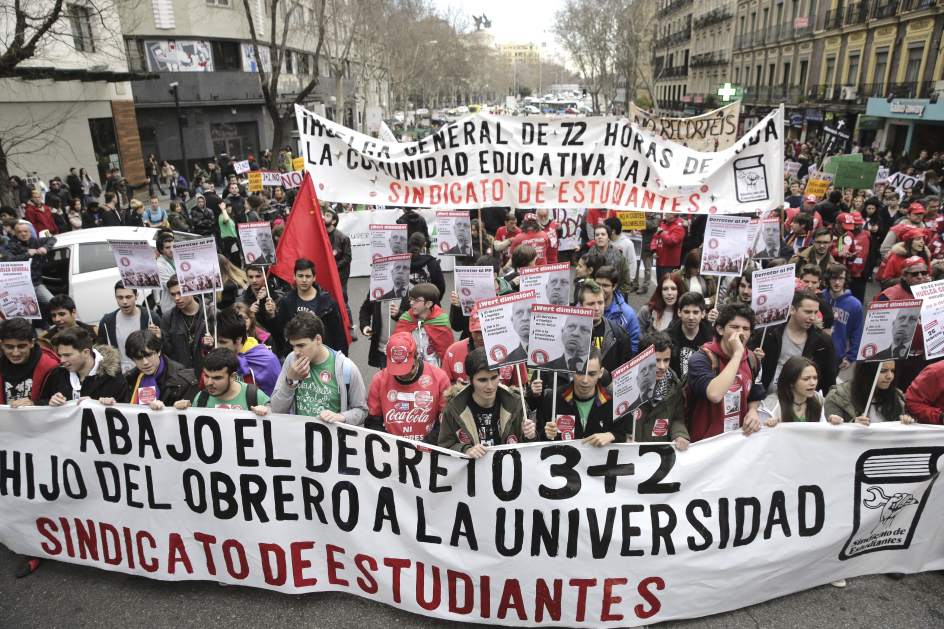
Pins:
x: 729, y: 92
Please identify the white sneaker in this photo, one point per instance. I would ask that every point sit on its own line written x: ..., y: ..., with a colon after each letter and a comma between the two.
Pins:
x: 841, y: 583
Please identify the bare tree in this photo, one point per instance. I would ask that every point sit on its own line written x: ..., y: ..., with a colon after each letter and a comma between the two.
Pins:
x: 632, y: 63
x: 281, y: 16
x: 587, y: 32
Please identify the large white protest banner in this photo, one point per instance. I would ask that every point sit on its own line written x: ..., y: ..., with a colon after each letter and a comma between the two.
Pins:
x: 931, y: 295
x: 390, y: 277
x: 17, y: 293
x: 454, y: 233
x: 487, y: 160
x: 725, y: 245
x: 136, y: 262
x: 634, y: 382
x: 506, y: 324
x: 560, y: 338
x: 708, y: 132
x: 387, y: 240
x: 198, y: 268
x: 550, y: 283
x: 257, y: 243
x: 545, y: 534
x: 889, y: 329
x: 772, y: 293
x: 472, y: 284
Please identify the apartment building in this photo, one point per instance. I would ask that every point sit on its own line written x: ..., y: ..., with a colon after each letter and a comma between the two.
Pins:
x: 876, y: 64
x: 711, y: 45
x: 671, y: 49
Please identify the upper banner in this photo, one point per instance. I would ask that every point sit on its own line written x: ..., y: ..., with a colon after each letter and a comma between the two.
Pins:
x: 486, y: 160
x: 552, y: 533
x: 711, y: 131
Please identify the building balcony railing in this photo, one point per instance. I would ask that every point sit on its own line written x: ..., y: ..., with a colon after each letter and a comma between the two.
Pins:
x: 784, y: 31
x: 714, y: 16
x: 774, y: 94
x: 671, y: 39
x: 865, y: 10
x: 673, y: 72
x: 708, y: 59
x: 672, y: 7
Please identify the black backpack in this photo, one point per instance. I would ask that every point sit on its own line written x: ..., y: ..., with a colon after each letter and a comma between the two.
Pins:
x: 252, y: 397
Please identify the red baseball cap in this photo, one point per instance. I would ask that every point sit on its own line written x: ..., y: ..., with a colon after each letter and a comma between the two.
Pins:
x: 916, y: 208
x: 847, y: 221
x: 910, y: 233
x: 401, y: 354
x: 475, y: 324
x: 916, y: 261
x: 857, y: 217
x: 810, y: 198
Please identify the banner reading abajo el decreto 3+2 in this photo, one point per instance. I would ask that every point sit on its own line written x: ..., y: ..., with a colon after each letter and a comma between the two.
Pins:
x: 543, y: 534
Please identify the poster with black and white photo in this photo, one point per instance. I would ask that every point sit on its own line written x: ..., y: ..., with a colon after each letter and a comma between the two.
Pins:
x: 889, y: 329
x: 454, y: 233
x: 257, y: 243
x: 634, y: 382
x: 550, y: 282
x: 472, y: 284
x: 390, y: 277
x: 772, y: 293
x: 725, y: 245
x: 198, y: 268
x: 386, y: 240
x: 560, y: 338
x: 506, y: 324
x: 931, y: 295
x: 137, y: 263
x: 17, y: 293
x: 763, y: 237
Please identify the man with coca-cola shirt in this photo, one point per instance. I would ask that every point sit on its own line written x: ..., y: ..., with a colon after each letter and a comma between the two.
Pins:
x: 407, y: 397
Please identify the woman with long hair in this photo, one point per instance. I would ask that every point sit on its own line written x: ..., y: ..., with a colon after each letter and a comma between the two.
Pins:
x: 876, y: 223
x: 252, y: 326
x: 662, y: 308
x: 846, y: 401
x: 797, y: 399
x: 234, y: 281
x: 695, y: 282
x: 912, y: 244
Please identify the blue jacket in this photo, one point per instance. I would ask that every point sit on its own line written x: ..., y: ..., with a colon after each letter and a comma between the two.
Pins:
x: 848, y: 321
x: 620, y: 313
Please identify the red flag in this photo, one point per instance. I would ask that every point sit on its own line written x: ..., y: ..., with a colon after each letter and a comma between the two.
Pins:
x: 305, y: 236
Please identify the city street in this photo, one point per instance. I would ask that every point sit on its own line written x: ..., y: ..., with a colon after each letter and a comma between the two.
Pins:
x: 70, y: 596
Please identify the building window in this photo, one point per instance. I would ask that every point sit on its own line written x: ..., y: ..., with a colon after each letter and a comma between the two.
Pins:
x: 786, y: 75
x: 226, y: 56
x: 222, y: 3
x: 80, y: 19
x: 830, y: 70
x: 304, y: 64
x: 760, y: 75
x: 289, y: 66
x: 881, y: 66
x: 852, y: 77
x: 771, y: 74
x: 915, y: 56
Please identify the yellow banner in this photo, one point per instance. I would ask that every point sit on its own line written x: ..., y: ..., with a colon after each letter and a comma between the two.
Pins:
x: 632, y: 221
x: 298, y: 163
x: 255, y: 181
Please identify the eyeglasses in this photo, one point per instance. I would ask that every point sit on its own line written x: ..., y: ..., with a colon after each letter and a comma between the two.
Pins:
x: 414, y: 300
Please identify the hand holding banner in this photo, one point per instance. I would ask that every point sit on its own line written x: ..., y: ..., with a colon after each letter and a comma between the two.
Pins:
x: 506, y: 324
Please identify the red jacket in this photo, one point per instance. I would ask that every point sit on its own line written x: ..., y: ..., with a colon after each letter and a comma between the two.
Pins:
x: 438, y: 333
x: 48, y: 361
x: 41, y: 218
x: 854, y: 252
x: 408, y: 410
x: 924, y: 399
x: 667, y: 242
x: 539, y: 240
x: 551, y: 230
x: 792, y: 213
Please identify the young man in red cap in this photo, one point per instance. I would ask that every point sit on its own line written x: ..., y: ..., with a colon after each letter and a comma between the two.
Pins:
x: 406, y: 398
x: 914, y: 218
x: 852, y: 250
x: 809, y: 208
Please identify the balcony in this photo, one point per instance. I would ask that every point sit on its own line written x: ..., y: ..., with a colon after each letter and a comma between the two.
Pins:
x: 714, y: 16
x: 675, y: 38
x: 672, y: 7
x: 856, y: 13
x: 923, y: 89
x: 708, y: 59
x: 673, y: 72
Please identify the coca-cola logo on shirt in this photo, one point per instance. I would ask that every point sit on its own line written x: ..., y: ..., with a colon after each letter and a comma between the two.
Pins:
x: 415, y: 415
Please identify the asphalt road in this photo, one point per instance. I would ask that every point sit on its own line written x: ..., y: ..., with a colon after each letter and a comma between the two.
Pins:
x: 70, y: 596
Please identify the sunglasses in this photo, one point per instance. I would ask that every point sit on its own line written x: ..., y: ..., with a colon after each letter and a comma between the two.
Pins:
x: 915, y: 273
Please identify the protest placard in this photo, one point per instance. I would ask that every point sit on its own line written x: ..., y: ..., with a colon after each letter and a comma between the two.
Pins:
x: 292, y: 180
x: 889, y: 329
x: 298, y: 163
x: 711, y: 131
x: 818, y: 185
x: 255, y: 182
x: 550, y: 283
x: 763, y: 237
x: 472, y: 284
x: 390, y: 277
x: 903, y: 182
x: 17, y: 293
x: 560, y: 338
x: 725, y: 245
x: 198, y: 268
x: 271, y: 178
x: 882, y: 175
x: 791, y: 168
x: 241, y: 166
x: 506, y: 322
x: 487, y: 160
x: 634, y: 382
x: 632, y: 221
x: 454, y: 233
x: 931, y: 295
x: 257, y: 243
x: 772, y: 293
x: 570, y: 221
x: 855, y: 174
x: 386, y: 240
x: 177, y: 497
x: 136, y: 262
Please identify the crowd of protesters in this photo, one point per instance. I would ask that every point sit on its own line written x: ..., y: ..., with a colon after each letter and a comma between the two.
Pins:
x: 263, y: 346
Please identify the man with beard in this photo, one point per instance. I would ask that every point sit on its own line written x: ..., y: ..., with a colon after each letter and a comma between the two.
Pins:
x: 576, y: 341
x: 689, y: 332
x: 223, y: 389
x: 584, y: 409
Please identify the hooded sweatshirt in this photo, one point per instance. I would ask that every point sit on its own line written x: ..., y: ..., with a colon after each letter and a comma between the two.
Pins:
x: 433, y: 336
x: 847, y: 324
x: 707, y: 418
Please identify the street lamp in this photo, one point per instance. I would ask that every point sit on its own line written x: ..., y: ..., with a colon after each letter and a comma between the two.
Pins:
x: 180, y: 124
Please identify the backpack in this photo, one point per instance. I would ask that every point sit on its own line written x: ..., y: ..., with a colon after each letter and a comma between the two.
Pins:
x: 715, y: 363
x: 252, y: 397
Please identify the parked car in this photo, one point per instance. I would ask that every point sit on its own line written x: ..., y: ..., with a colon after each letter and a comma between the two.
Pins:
x: 82, y: 265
